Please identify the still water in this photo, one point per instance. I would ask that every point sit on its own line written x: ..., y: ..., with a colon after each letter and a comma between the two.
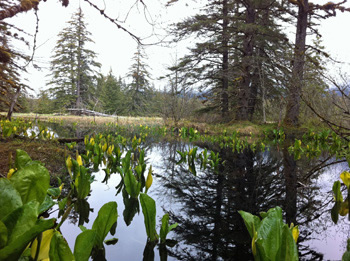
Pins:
x: 205, y: 206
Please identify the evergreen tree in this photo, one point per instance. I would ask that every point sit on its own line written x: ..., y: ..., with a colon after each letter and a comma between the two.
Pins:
x: 112, y: 96
x: 139, y: 92
x: 73, y: 66
x: 11, y: 66
x: 234, y: 41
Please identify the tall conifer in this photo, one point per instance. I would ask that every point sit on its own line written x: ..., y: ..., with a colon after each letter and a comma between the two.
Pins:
x: 73, y: 65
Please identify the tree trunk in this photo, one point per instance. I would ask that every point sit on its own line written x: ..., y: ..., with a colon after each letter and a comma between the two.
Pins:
x: 13, y: 103
x: 225, y: 61
x: 290, y: 176
x: 293, y: 100
x: 244, y: 90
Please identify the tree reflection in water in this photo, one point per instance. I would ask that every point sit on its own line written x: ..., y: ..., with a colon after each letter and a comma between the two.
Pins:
x: 206, y: 205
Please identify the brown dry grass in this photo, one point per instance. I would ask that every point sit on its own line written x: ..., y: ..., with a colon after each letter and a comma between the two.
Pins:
x: 122, y: 120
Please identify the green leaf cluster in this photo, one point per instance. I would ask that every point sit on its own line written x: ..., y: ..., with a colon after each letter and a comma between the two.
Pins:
x: 272, y: 239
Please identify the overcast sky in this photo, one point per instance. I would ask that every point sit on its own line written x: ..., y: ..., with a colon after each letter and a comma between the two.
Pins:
x: 115, y: 48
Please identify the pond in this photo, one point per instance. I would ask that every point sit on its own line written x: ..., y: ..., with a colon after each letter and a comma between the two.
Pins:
x: 206, y: 205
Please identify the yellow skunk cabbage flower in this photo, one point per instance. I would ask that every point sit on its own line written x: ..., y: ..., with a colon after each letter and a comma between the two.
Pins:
x: 14, y: 129
x: 79, y: 160
x: 86, y: 140
x: 149, y: 179
x: 44, y: 245
x: 345, y: 177
x: 10, y: 173
x: 60, y: 187
x: 92, y: 141
x: 295, y: 232
x: 69, y: 165
x: 104, y: 147
x: 110, y: 150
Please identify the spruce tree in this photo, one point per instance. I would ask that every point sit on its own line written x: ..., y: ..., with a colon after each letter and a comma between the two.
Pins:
x: 111, y: 94
x: 139, y: 92
x: 234, y: 40
x: 73, y: 65
x: 11, y: 66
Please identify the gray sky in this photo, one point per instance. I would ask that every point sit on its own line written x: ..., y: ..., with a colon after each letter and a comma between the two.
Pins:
x: 115, y: 48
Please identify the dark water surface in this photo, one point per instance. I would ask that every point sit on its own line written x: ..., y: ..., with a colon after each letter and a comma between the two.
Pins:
x: 205, y: 206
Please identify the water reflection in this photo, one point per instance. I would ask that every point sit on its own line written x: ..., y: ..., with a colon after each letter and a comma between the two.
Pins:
x: 206, y: 205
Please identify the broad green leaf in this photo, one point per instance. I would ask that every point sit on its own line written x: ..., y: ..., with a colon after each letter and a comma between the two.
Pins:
x: 25, y: 256
x: 82, y: 183
x: 164, y: 228
x: 59, y: 249
x: 107, y: 216
x: 10, y: 199
x: 149, y: 214
x: 345, y: 177
x: 251, y: 222
x: 22, y: 158
x: 46, y: 205
x: 21, y: 220
x: 62, y: 203
x: 32, y: 182
x: 270, y: 232
x: 289, y: 250
x: 23, y: 226
x: 54, y: 192
x: 44, y: 245
x: 132, y: 186
x: 337, y: 193
x: 84, y: 244
x: 3, y: 235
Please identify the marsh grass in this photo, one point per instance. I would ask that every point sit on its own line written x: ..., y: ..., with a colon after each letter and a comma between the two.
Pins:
x: 122, y: 120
